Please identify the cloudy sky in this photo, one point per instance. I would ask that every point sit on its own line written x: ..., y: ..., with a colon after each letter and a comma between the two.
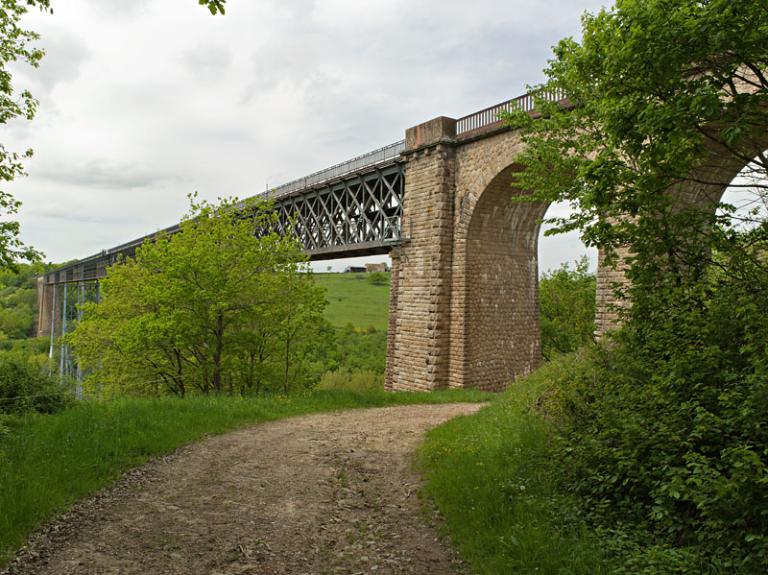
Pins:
x: 144, y: 101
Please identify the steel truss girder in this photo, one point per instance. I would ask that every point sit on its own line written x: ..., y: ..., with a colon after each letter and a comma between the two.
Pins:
x: 365, y: 209
x: 353, y: 215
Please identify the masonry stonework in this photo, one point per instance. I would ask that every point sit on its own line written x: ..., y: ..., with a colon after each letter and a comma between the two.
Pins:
x: 419, y: 343
x: 464, y: 309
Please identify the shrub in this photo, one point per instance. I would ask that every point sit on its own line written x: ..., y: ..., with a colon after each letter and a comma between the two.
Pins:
x: 25, y: 389
x: 663, y: 432
x: 360, y: 349
x: 378, y: 278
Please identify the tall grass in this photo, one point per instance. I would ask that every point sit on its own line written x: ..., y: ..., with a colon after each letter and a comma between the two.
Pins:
x: 47, y: 462
x: 492, y: 478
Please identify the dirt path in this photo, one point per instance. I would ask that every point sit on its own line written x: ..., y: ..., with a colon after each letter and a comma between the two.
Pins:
x: 320, y: 494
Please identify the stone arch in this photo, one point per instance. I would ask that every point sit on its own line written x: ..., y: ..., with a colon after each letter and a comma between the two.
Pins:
x: 717, y: 170
x: 503, y: 336
x: 700, y: 192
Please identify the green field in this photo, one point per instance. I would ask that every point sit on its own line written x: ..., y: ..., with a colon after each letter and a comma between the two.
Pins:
x: 352, y: 299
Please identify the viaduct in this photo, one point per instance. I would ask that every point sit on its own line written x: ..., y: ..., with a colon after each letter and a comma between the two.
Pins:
x: 464, y: 308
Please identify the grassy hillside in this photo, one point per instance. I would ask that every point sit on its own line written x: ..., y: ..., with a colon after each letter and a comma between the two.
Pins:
x: 352, y: 299
x: 493, y: 479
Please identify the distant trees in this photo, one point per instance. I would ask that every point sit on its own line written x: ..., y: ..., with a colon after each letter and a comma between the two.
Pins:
x: 567, y: 303
x: 18, y: 301
x: 210, y: 309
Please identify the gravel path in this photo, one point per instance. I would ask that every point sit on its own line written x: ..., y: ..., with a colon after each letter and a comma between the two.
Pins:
x: 320, y: 494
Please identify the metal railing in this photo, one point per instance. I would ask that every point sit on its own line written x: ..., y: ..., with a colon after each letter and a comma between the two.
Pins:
x: 379, y: 156
x: 489, y: 116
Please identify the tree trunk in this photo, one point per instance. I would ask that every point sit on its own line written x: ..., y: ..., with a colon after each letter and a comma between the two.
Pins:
x: 287, y: 363
x: 218, y: 352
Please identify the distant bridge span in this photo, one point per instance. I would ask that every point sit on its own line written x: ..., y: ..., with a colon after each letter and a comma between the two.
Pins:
x: 464, y: 308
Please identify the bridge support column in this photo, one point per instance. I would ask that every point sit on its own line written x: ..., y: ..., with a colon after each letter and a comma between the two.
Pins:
x: 45, y: 306
x: 419, y: 335
x: 608, y: 304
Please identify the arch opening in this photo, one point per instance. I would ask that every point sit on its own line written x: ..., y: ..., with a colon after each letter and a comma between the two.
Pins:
x: 502, y: 315
x: 506, y: 254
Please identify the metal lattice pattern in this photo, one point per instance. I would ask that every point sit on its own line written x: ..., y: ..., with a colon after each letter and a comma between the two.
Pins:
x: 360, y: 212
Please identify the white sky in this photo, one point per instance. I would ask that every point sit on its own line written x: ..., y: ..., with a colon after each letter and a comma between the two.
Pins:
x: 144, y: 101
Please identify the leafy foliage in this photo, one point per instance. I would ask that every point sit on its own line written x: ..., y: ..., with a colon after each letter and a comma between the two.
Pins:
x: 663, y: 434
x: 359, y: 349
x: 16, y: 45
x: 24, y: 388
x: 212, y: 308
x: 378, y: 278
x: 654, y: 90
x: 567, y: 303
x: 18, y: 300
x: 663, y: 430
x: 215, y: 6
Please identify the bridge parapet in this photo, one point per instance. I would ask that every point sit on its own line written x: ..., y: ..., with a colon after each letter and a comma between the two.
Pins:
x: 381, y: 156
x: 491, y: 116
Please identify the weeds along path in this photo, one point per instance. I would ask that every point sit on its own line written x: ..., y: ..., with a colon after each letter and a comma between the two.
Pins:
x: 319, y: 494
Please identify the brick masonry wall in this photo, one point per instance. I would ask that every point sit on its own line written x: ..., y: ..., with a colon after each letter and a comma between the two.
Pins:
x: 394, y: 292
x: 610, y: 280
x: 419, y: 342
x: 464, y: 308
x: 495, y: 335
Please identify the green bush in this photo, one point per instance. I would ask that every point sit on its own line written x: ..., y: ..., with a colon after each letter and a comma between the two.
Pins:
x: 25, y: 389
x: 663, y: 432
x: 378, y: 278
x: 494, y: 480
x: 359, y: 349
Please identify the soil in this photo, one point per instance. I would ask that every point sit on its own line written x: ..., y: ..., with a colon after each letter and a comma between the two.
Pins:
x: 322, y: 494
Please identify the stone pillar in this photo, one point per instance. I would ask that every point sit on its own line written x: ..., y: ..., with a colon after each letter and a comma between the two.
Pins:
x: 419, y: 344
x: 608, y: 304
x: 44, y: 307
x: 394, y: 282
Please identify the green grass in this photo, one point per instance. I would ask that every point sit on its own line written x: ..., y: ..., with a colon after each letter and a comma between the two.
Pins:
x: 352, y: 299
x: 492, y: 478
x: 47, y: 462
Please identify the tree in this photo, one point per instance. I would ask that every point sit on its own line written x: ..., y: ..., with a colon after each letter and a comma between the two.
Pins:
x: 567, y: 303
x: 663, y: 431
x: 301, y: 318
x: 661, y: 93
x: 203, y: 310
x: 16, y: 44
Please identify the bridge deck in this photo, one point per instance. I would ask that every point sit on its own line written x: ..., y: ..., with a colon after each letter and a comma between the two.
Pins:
x: 350, y: 209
